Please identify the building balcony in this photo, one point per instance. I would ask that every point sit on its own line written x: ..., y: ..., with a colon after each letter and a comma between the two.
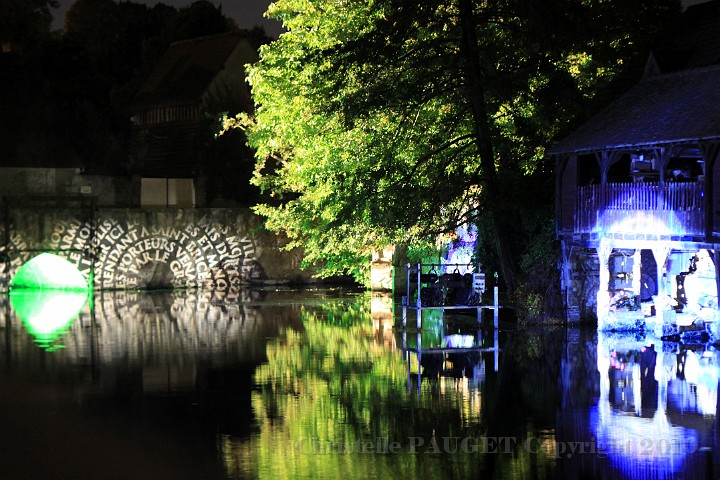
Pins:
x: 672, y: 208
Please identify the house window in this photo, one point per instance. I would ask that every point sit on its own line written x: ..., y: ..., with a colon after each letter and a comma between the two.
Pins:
x: 167, y: 192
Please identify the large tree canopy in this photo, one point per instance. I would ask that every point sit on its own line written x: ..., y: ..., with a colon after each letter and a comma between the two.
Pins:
x: 25, y: 20
x: 391, y: 121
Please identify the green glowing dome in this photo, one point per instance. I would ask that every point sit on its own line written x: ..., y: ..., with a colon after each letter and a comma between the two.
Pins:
x: 48, y: 271
x: 47, y: 314
x: 47, y: 293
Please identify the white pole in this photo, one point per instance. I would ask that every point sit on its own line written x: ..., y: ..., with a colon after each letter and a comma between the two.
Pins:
x: 497, y: 349
x: 419, y: 303
x: 496, y: 308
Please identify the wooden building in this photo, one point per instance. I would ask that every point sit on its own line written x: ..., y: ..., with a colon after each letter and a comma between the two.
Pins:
x: 175, y: 113
x: 638, y: 190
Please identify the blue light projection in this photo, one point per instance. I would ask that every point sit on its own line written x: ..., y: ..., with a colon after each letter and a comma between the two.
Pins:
x: 674, y: 209
x: 461, y: 250
x: 639, y: 221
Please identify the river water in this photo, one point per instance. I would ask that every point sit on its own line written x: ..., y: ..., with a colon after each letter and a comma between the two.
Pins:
x: 323, y: 384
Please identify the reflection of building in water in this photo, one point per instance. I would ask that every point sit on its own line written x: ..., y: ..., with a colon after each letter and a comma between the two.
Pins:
x: 383, y: 318
x: 151, y: 329
x: 695, y: 387
x: 454, y: 362
x: 656, y: 407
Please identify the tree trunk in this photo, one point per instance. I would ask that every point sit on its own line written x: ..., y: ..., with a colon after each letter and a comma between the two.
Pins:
x: 476, y: 96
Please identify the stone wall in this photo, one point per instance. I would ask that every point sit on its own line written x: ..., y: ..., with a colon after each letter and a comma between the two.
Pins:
x: 584, y: 268
x: 150, y: 248
x: 104, y: 190
x: 381, y: 269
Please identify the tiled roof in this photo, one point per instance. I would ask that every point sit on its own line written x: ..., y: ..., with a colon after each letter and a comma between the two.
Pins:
x: 186, y: 69
x: 670, y: 108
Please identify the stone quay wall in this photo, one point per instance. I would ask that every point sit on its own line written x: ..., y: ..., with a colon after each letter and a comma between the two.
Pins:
x: 151, y: 248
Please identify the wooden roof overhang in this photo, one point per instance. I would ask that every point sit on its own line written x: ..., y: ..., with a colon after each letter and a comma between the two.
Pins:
x: 680, y: 109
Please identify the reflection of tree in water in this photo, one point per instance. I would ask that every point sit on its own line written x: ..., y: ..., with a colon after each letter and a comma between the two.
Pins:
x: 334, y: 384
x: 527, y: 388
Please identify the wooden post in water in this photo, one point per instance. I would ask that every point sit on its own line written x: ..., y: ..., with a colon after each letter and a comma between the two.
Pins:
x: 419, y: 360
x: 708, y: 462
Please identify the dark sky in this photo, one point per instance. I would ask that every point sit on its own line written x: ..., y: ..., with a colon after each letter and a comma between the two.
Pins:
x: 247, y: 13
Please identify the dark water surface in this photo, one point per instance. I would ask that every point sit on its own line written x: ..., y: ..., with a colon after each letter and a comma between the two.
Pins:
x: 318, y: 384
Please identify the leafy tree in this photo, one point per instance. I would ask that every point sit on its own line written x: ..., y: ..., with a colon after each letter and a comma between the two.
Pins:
x: 93, y: 21
x: 24, y: 20
x: 107, y: 49
x: 202, y: 18
x: 395, y: 120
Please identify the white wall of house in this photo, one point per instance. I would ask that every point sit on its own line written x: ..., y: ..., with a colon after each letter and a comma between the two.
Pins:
x: 167, y: 192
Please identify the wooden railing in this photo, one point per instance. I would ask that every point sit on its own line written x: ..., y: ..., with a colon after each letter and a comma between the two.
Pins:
x: 675, y: 209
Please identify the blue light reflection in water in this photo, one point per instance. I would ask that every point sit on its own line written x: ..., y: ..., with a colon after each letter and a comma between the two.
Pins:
x: 654, y: 406
x: 654, y: 411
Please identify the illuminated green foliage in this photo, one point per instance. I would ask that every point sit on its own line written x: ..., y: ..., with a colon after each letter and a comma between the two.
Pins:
x: 394, y: 121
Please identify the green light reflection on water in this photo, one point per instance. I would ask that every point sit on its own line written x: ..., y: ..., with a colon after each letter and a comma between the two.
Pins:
x: 48, y: 293
x: 47, y: 314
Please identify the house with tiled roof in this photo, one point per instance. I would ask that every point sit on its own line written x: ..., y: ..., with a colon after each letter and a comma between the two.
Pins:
x: 174, y: 117
x: 638, y: 192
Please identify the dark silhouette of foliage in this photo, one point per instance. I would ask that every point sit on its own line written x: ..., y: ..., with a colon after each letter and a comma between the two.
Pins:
x: 66, y: 101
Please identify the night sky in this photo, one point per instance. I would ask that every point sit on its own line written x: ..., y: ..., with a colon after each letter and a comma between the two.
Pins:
x: 247, y: 13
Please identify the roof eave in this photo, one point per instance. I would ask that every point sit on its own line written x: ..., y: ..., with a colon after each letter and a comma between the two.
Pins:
x: 633, y: 146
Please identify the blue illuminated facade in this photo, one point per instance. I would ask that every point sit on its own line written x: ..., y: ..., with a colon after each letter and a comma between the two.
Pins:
x: 638, y: 195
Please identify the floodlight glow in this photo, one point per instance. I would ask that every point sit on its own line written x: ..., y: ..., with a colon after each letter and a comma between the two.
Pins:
x: 47, y: 314
x: 640, y: 208
x: 642, y: 221
x: 636, y: 445
x: 48, y: 271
